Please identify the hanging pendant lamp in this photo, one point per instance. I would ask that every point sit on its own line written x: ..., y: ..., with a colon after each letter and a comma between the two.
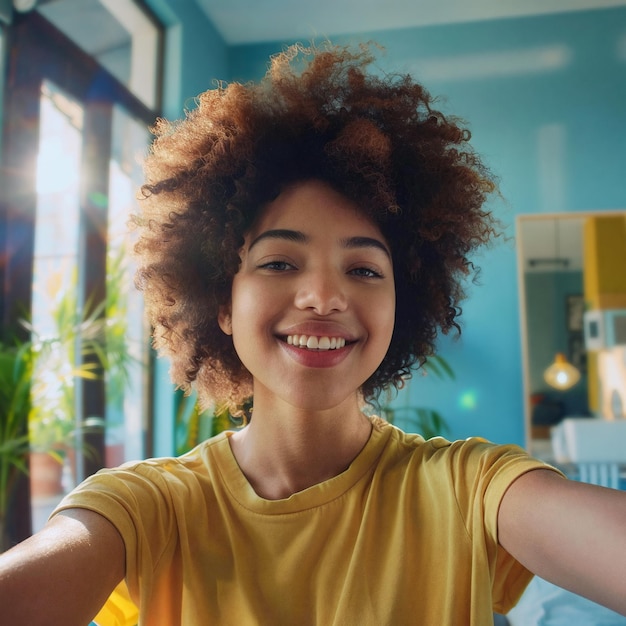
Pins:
x: 561, y: 374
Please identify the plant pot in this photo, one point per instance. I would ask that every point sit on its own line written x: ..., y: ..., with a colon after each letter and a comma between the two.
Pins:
x: 114, y: 454
x: 46, y: 474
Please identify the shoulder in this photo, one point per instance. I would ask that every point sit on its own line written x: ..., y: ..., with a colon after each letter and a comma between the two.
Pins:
x: 463, y: 469
x: 195, y: 462
x: 153, y: 484
x: 475, y: 454
x: 149, y: 501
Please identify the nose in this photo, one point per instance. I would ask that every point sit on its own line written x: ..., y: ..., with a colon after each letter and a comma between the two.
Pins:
x: 321, y: 291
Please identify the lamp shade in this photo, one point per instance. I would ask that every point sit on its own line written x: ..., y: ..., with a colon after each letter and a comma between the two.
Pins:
x: 561, y: 374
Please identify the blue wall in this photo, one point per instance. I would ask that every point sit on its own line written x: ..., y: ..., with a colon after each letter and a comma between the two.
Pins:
x: 545, y: 98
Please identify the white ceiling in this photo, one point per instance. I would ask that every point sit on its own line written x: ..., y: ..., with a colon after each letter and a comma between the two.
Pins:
x: 254, y: 21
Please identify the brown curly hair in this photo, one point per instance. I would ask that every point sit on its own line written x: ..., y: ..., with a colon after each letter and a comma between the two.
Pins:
x: 316, y: 114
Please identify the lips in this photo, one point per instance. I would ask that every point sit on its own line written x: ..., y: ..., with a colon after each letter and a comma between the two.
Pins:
x: 313, y: 342
x: 317, y: 357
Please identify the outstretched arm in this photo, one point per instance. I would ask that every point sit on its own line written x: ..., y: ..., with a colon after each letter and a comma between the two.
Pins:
x: 63, y: 574
x: 570, y: 533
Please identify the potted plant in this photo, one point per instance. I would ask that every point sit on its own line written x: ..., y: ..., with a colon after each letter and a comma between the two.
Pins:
x: 74, y: 351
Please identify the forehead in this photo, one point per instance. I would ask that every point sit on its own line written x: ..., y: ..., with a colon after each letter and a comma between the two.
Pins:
x: 314, y: 205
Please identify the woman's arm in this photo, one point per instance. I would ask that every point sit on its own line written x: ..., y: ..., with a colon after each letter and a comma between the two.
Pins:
x: 570, y: 533
x: 63, y: 574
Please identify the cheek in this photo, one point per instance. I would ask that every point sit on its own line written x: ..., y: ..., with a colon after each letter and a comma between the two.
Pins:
x: 249, y: 306
x: 389, y: 327
x: 243, y: 324
x: 240, y: 305
x: 387, y: 312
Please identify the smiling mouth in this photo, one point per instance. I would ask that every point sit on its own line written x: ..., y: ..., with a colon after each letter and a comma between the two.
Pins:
x: 311, y: 342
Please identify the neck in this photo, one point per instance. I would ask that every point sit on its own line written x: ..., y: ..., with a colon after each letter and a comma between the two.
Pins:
x: 285, y: 450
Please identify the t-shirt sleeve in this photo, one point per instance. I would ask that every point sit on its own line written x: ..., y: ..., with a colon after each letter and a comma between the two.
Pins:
x: 135, y: 499
x: 482, y: 473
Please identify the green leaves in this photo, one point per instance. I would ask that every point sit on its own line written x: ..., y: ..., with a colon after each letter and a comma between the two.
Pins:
x: 426, y: 421
x: 194, y: 425
x: 439, y: 367
x: 16, y: 367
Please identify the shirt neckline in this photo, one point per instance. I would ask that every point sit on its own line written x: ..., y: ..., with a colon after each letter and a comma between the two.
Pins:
x: 314, y: 496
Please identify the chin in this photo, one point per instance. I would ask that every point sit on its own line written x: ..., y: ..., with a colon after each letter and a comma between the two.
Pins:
x: 325, y: 400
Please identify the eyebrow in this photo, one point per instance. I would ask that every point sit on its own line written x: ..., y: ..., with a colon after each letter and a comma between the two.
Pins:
x: 280, y: 233
x: 365, y: 242
x: 300, y: 237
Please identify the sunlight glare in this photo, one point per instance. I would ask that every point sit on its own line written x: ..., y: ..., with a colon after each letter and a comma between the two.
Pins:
x: 58, y: 161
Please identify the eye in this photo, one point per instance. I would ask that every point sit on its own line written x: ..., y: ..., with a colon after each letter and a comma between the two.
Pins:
x: 365, y: 272
x: 276, y: 266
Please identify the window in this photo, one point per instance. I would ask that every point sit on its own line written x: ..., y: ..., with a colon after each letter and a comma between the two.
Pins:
x: 119, y: 34
x: 76, y: 130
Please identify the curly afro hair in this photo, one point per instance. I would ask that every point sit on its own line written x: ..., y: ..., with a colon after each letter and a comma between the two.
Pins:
x: 317, y: 114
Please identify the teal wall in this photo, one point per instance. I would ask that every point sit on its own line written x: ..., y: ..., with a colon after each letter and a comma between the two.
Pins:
x: 545, y: 98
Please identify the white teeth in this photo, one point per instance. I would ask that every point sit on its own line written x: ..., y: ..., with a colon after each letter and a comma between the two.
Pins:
x: 316, y: 343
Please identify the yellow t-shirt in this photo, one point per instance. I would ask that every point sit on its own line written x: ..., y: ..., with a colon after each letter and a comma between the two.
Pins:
x: 406, y: 535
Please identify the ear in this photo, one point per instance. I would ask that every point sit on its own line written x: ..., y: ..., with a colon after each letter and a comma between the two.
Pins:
x: 224, y: 319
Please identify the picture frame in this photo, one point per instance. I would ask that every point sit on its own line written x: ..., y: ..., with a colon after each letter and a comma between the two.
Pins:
x: 575, y: 307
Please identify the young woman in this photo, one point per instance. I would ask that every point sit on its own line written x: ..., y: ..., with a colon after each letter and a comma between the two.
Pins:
x: 303, y: 242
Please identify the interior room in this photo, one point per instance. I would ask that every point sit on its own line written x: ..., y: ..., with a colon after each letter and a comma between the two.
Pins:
x: 542, y: 87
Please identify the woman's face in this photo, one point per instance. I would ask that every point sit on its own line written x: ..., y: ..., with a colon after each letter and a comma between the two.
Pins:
x: 313, y: 304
